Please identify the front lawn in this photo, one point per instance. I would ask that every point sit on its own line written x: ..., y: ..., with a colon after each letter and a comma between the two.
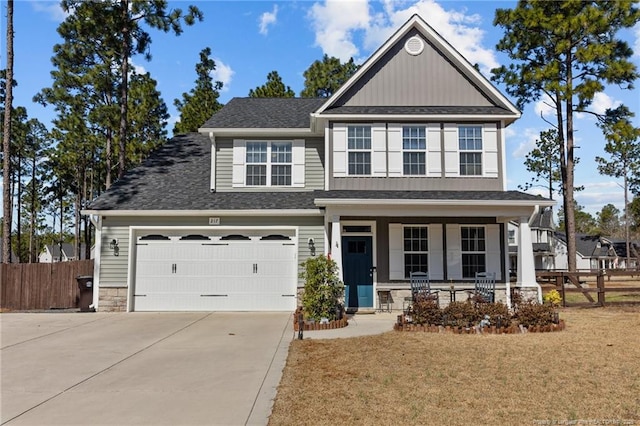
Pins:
x: 590, y: 371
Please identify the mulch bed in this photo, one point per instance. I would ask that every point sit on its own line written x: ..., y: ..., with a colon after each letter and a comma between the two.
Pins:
x: 478, y: 330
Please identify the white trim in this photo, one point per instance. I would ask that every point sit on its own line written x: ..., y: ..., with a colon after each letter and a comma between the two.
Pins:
x: 374, y: 252
x: 97, y: 257
x: 466, y: 67
x: 254, y: 132
x: 502, y: 137
x: 322, y: 202
x: 204, y: 213
x: 213, y: 162
x: 327, y: 155
x: 414, y: 117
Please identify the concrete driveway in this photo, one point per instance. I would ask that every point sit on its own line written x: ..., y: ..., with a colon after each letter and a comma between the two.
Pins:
x: 141, y: 368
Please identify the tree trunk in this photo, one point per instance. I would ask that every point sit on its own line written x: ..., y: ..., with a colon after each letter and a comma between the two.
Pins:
x: 627, y: 264
x: 569, y: 203
x: 18, y: 249
x: 32, y: 217
x: 6, y: 139
x: 124, y: 57
x: 108, y: 158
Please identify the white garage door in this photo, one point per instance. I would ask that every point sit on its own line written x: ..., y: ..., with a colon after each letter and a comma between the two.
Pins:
x: 233, y: 272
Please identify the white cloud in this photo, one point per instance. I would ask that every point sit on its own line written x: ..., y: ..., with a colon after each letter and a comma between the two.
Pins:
x: 598, y: 194
x: 51, y: 8
x: 223, y: 73
x: 335, y: 22
x: 139, y: 69
x: 267, y: 19
x: 457, y: 27
x: 602, y: 102
x: 545, y: 107
x: 526, y: 143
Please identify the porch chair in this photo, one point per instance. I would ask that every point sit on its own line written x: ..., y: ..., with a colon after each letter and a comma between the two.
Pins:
x: 421, y: 288
x: 485, y: 286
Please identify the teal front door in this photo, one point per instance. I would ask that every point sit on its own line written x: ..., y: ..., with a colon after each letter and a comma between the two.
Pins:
x: 357, y: 263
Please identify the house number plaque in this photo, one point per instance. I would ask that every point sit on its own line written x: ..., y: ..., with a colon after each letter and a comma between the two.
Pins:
x: 214, y: 221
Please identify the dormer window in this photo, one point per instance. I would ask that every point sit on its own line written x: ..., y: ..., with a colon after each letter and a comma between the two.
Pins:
x: 268, y: 164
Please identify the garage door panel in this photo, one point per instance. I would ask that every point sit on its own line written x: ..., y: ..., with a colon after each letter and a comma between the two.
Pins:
x: 199, y: 273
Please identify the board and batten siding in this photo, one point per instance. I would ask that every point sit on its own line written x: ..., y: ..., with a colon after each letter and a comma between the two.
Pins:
x: 400, y: 79
x: 313, y: 164
x: 114, y: 269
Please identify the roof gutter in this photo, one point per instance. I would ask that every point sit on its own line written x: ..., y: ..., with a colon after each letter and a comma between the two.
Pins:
x: 195, y: 213
x: 235, y: 132
x: 322, y: 202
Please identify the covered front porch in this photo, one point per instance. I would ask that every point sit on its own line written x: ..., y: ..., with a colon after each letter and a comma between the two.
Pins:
x: 379, y: 240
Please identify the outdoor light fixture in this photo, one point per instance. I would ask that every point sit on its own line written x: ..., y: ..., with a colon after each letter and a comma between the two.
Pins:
x: 312, y: 246
x: 113, y: 245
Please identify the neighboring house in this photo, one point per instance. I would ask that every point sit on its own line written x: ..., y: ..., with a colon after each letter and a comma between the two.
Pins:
x: 542, y: 237
x: 402, y: 169
x: 595, y: 252
x: 60, y: 253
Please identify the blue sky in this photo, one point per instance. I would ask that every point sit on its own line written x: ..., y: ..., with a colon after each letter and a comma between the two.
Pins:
x: 249, y: 39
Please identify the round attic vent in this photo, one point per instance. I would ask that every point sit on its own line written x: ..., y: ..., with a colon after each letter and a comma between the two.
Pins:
x: 414, y: 46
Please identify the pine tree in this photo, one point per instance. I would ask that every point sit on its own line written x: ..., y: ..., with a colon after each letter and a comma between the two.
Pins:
x: 565, y: 51
x: 324, y: 77
x: 273, y: 88
x: 201, y: 102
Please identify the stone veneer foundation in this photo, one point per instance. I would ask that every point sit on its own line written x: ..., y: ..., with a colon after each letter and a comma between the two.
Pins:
x: 112, y: 299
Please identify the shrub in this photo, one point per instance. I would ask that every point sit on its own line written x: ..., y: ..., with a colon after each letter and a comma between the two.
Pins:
x: 426, y: 311
x: 498, y: 313
x: 460, y: 314
x: 322, y: 288
x: 553, y: 298
x: 531, y: 313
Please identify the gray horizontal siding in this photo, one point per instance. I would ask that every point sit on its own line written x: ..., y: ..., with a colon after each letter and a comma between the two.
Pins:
x: 114, y: 269
x: 400, y: 79
x: 416, y: 184
x: 314, y: 165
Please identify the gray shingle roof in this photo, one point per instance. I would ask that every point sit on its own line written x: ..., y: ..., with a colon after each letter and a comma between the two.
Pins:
x: 428, y: 110
x: 177, y: 177
x: 260, y: 113
x: 543, y: 219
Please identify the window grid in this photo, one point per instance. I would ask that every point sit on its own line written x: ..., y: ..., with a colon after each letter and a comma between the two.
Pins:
x: 416, y: 249
x: 359, y: 150
x: 470, y: 141
x: 473, y: 243
x: 414, y: 145
x: 275, y: 157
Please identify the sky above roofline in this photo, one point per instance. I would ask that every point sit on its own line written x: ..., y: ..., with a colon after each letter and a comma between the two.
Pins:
x: 249, y: 39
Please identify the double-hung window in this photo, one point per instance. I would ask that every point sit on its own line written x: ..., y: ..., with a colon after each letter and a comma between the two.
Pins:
x: 474, y: 251
x: 268, y: 163
x: 470, y: 146
x: 416, y: 249
x: 414, y: 147
x: 359, y: 150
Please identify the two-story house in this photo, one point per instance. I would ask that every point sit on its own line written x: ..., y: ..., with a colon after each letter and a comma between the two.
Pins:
x: 402, y: 169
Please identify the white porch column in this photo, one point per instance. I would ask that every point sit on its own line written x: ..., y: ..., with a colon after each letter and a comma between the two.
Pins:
x: 336, y: 243
x: 526, y: 264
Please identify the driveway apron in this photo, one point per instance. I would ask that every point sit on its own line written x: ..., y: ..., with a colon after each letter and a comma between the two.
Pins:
x: 141, y: 368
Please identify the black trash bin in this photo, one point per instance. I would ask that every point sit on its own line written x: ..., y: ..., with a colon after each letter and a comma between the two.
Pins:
x: 85, y: 284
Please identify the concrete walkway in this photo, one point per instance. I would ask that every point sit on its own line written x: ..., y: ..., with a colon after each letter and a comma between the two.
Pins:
x: 359, y: 325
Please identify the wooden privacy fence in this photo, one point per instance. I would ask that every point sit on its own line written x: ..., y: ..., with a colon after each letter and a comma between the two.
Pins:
x: 42, y: 285
x: 583, y: 282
